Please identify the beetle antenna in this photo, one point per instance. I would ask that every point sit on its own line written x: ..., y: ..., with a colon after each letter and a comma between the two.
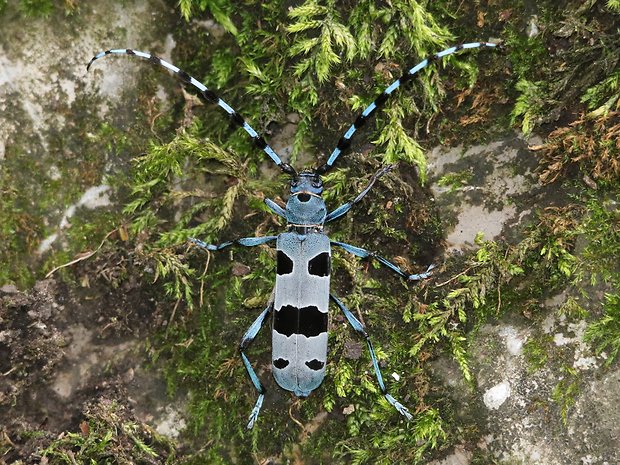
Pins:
x: 209, y: 96
x: 345, y: 141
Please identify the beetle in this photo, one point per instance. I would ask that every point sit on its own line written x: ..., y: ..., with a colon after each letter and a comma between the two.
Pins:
x: 303, y: 265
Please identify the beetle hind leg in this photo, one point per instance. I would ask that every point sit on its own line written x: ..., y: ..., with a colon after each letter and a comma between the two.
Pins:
x: 359, y: 327
x: 246, y: 340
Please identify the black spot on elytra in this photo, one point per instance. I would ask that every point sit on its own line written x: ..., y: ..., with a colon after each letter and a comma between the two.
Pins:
x: 284, y: 264
x: 280, y: 363
x: 315, y: 364
x: 307, y: 321
x: 320, y: 265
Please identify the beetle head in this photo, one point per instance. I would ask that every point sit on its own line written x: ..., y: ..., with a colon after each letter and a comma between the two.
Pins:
x: 307, y: 182
x: 305, y: 205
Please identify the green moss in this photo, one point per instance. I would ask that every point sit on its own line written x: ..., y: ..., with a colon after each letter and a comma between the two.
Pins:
x: 36, y: 7
x: 108, y: 435
x: 455, y: 181
x: 537, y: 351
x: 565, y: 393
x: 605, y: 332
x: 40, y: 8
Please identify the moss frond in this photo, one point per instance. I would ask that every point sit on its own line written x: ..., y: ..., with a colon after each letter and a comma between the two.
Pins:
x: 330, y: 40
x: 605, y: 332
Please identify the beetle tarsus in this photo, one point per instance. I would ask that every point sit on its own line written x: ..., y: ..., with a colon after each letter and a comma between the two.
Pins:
x: 398, y: 406
x: 256, y: 410
x: 427, y: 274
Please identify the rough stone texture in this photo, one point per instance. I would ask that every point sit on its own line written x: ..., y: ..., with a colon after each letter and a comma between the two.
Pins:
x: 500, y: 174
x: 61, y: 346
x: 512, y: 405
x: 44, y: 85
x: 525, y: 422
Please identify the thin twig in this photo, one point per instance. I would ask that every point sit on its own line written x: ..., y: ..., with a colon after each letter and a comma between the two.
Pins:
x: 83, y: 257
x: 174, y: 311
x: 290, y: 414
x: 453, y: 278
x: 202, y: 281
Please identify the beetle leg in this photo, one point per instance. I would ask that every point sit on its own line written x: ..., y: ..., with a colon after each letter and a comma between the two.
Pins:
x: 246, y: 340
x: 363, y: 253
x: 274, y: 207
x: 359, y: 327
x: 244, y: 241
x: 344, y: 209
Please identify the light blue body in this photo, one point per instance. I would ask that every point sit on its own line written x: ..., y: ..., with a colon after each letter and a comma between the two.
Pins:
x: 299, y: 287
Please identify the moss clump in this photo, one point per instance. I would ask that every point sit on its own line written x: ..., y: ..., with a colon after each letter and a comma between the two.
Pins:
x: 109, y: 435
x: 605, y: 332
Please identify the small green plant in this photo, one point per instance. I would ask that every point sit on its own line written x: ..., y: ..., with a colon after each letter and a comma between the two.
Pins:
x: 601, y: 228
x: 328, y: 42
x: 109, y: 435
x: 536, y: 351
x: 529, y: 105
x: 42, y: 8
x: 603, y: 97
x: 220, y: 9
x: 565, y: 393
x: 605, y: 332
x: 408, y: 20
x: 614, y: 5
x: 455, y: 181
x: 399, y: 145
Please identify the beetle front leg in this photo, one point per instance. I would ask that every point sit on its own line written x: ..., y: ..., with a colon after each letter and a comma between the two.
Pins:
x: 359, y: 327
x: 344, y: 209
x: 246, y: 340
x: 275, y: 208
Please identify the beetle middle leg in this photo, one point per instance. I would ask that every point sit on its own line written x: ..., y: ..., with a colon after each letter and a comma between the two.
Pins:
x: 363, y: 253
x: 244, y: 241
x: 359, y: 327
x: 246, y: 340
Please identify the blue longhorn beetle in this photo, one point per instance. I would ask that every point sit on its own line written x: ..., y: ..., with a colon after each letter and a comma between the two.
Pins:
x: 301, y: 295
